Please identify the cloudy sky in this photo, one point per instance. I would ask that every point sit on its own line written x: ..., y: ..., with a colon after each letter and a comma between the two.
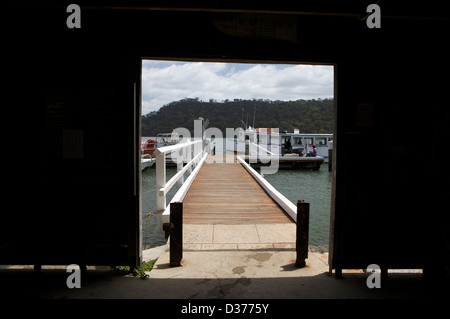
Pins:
x: 167, y: 81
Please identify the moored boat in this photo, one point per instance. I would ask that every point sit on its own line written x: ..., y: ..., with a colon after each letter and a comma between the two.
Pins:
x: 148, y: 147
x: 147, y: 161
x: 275, y: 142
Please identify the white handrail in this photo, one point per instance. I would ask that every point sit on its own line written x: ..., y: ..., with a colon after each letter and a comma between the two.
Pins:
x: 285, y: 203
x: 178, y: 175
x: 265, y: 150
x: 181, y: 193
x: 161, y: 168
x: 172, y: 148
x: 163, y: 187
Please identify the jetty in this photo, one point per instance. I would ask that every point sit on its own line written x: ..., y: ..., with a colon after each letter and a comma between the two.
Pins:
x: 225, y: 204
x: 225, y: 193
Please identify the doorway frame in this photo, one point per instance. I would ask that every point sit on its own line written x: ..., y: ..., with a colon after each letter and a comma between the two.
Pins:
x: 333, y: 240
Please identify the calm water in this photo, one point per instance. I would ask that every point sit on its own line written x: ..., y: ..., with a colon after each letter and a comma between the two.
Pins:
x: 312, y: 186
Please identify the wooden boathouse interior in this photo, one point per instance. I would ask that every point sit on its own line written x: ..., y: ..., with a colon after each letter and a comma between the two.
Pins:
x: 73, y: 100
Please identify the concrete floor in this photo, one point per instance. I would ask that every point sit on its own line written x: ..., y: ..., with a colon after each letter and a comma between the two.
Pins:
x: 254, y: 274
x: 214, y: 266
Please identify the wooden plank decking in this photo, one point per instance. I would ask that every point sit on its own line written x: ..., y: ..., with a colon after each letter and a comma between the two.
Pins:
x: 225, y: 193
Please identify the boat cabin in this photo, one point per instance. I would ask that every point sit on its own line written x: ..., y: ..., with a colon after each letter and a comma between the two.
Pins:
x: 165, y: 139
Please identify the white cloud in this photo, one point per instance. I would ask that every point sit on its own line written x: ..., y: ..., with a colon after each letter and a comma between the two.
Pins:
x: 164, y: 82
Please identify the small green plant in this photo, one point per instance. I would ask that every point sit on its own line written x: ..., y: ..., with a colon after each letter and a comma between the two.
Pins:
x: 138, y: 271
x: 122, y: 268
x: 146, y: 266
x: 149, y: 266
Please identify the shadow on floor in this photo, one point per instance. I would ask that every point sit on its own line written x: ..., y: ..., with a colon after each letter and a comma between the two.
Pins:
x: 110, y: 284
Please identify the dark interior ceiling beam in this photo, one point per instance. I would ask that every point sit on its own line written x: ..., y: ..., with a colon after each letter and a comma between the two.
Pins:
x: 430, y: 10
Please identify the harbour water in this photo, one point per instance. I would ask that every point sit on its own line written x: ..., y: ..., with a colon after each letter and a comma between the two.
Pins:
x: 313, y: 187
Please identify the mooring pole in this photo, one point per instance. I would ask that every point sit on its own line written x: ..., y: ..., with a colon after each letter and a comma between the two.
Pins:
x: 302, y: 233
x: 176, y: 234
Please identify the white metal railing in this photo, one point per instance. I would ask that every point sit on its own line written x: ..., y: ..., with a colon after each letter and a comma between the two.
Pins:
x: 285, y: 203
x: 190, y: 152
x: 259, y: 147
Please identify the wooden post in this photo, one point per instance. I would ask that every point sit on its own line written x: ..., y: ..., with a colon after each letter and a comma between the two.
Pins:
x: 302, y: 233
x: 176, y: 234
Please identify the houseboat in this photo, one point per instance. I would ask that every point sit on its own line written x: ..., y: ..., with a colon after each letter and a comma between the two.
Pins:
x: 273, y: 143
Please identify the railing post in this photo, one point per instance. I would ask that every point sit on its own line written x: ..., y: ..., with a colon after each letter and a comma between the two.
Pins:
x: 302, y: 233
x: 160, y: 181
x: 180, y: 163
x: 176, y: 233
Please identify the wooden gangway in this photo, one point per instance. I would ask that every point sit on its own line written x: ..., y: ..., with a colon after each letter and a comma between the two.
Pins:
x: 222, y: 194
x: 225, y: 193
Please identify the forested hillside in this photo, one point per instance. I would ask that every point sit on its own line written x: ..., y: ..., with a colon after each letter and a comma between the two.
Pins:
x: 309, y: 116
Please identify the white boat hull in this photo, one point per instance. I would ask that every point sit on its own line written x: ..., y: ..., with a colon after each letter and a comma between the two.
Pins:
x: 146, y: 163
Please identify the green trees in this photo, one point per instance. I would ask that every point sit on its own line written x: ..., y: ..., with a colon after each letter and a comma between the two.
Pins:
x: 309, y: 116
